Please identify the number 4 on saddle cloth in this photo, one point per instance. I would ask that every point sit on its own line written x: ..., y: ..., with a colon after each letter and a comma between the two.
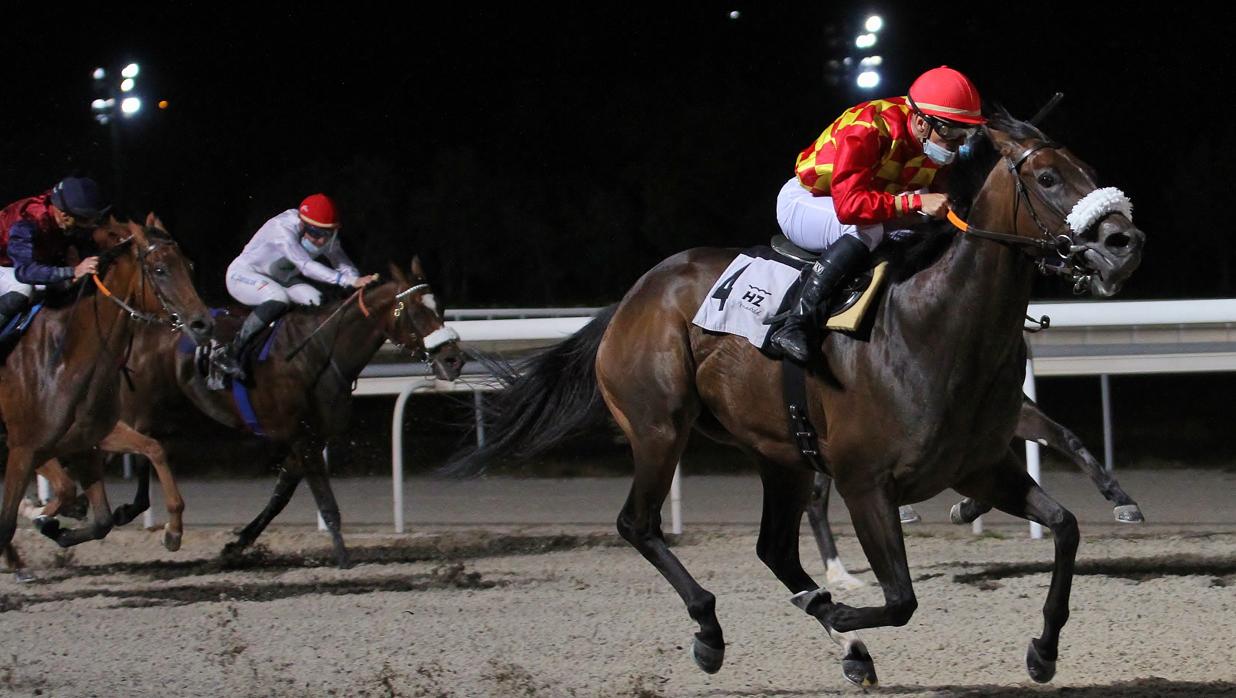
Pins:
x: 257, y: 351
x: 756, y: 289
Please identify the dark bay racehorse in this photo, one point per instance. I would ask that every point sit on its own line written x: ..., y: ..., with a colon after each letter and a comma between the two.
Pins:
x: 1032, y: 425
x: 58, y: 387
x: 301, y: 396
x: 926, y: 400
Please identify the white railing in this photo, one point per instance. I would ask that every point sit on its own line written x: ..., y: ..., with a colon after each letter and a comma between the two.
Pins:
x: 1090, y: 338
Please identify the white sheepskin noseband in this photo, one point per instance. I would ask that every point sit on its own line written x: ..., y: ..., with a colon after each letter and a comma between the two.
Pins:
x: 1097, y: 204
x: 438, y: 337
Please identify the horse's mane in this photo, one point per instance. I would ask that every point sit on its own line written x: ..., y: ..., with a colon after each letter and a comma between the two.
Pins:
x: 914, y: 253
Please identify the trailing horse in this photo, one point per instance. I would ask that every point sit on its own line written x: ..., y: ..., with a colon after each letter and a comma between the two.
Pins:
x: 927, y: 399
x: 59, y: 387
x: 298, y: 399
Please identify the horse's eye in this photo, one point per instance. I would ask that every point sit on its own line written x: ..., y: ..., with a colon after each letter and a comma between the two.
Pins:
x: 1047, y: 180
x: 161, y: 271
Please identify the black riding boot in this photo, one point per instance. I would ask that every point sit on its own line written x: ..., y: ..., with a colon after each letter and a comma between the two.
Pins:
x: 228, y: 359
x: 838, y: 261
x: 11, y: 304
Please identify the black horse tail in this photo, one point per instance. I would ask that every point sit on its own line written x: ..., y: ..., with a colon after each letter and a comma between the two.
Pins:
x: 544, y: 401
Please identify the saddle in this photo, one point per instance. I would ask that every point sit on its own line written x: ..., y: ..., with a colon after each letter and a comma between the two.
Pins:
x: 227, y: 323
x: 848, y: 305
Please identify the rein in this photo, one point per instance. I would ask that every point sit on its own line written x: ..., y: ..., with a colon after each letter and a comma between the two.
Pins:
x: 398, y: 310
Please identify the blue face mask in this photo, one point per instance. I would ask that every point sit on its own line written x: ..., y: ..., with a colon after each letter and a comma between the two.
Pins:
x: 310, y: 247
x: 938, y: 153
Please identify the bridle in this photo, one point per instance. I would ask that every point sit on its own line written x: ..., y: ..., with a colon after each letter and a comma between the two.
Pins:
x: 173, y: 319
x: 1087, y: 212
x: 428, y: 344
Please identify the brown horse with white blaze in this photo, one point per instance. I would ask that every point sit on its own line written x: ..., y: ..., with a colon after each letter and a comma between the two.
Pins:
x: 926, y: 400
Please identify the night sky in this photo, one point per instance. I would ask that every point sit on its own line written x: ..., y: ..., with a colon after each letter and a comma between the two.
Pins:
x: 550, y: 157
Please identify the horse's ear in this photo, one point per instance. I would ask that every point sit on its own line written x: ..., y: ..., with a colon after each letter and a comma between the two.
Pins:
x: 1005, y: 145
x: 417, y: 271
x: 398, y: 275
x: 139, y: 234
x: 152, y: 221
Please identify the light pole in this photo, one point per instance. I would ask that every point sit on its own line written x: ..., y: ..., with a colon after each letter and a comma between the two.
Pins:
x: 112, y: 102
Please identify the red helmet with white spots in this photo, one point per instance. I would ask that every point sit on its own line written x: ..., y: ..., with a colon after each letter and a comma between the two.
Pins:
x: 947, y: 94
x: 319, y: 211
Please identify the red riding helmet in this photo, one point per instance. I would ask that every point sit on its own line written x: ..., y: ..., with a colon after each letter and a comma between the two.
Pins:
x: 319, y: 211
x: 947, y: 94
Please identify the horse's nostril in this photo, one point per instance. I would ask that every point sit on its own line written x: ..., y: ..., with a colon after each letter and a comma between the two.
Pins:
x: 1116, y: 241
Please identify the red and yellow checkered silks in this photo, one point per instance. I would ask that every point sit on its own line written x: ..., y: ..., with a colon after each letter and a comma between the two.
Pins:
x: 864, y: 160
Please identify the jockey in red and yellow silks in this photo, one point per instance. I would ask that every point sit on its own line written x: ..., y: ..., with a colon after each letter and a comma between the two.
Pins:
x: 872, y: 165
x: 839, y: 163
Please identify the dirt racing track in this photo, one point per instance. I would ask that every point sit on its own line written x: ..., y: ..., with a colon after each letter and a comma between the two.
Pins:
x: 573, y: 611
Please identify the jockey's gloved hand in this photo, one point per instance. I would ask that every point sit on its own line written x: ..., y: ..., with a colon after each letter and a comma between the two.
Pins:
x: 365, y: 281
x: 89, y: 265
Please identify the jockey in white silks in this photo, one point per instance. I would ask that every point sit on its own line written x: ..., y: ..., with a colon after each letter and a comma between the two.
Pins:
x: 270, y: 273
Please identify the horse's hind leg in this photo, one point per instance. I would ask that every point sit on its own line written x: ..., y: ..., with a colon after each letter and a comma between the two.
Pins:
x: 1033, y: 425
x: 289, y: 477
x: 319, y: 484
x: 1011, y: 490
x: 835, y: 574
x: 656, y: 421
x: 786, y: 493
x: 126, y: 439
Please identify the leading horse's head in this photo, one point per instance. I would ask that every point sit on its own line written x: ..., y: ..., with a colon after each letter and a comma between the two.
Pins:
x: 164, y: 283
x: 416, y: 325
x: 1055, y: 197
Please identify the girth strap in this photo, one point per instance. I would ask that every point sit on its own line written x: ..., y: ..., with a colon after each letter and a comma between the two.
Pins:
x: 803, y: 434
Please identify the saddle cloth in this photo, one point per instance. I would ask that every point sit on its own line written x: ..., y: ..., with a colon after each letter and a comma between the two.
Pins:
x: 761, y: 283
x: 749, y: 291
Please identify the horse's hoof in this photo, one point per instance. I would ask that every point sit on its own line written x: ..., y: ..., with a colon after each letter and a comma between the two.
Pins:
x: 48, y: 526
x: 707, y: 658
x: 860, y: 672
x: 1041, y: 670
x: 908, y: 515
x: 23, y: 576
x: 171, y: 539
x: 1129, y: 513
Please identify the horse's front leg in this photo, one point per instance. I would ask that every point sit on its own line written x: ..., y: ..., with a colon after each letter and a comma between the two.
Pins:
x: 100, y: 511
x: 319, y: 484
x: 65, y: 501
x: 19, y: 470
x: 1011, y: 490
x: 878, y: 527
x: 126, y: 439
x: 1033, y: 425
x: 786, y: 493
